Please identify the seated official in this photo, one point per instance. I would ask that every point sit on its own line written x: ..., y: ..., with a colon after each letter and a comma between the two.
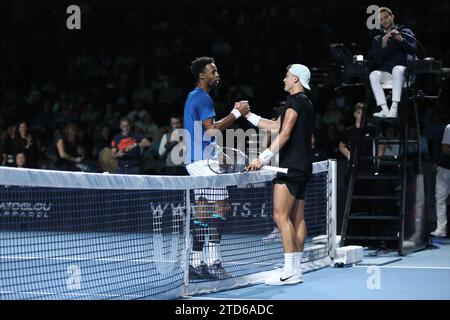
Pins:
x: 392, y: 50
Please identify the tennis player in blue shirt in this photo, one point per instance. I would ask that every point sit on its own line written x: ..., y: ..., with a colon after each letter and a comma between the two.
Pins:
x: 211, y: 204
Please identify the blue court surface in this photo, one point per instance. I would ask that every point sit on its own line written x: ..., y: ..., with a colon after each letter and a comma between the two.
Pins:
x: 135, y: 266
x: 421, y: 275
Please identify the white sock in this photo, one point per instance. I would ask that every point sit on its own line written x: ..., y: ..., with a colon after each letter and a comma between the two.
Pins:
x: 299, y: 261
x: 384, y: 107
x: 213, y: 252
x: 197, y: 257
x: 394, y: 104
x: 290, y: 262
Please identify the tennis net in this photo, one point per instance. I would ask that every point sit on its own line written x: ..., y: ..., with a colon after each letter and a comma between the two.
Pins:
x: 71, y: 235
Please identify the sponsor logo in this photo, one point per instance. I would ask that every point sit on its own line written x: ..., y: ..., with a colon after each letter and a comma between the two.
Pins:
x: 284, y: 279
x: 38, y: 210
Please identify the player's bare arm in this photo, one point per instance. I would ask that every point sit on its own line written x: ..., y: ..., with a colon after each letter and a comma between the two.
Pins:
x: 226, y: 122
x: 288, y: 124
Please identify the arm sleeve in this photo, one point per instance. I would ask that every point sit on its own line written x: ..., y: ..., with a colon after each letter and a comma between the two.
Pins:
x: 409, y: 43
x: 294, y: 104
x: 377, y: 51
x: 343, y: 137
x: 206, y: 108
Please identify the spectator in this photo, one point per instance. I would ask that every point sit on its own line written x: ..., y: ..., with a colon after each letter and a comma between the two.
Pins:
x: 8, y: 157
x: 70, y: 151
x: 443, y: 186
x: 24, y: 143
x: 126, y: 147
x: 350, y: 138
x: 167, y: 150
x: 21, y: 160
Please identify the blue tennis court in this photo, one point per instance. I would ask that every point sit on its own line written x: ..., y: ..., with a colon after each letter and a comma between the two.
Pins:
x: 94, y: 266
x: 103, y: 275
x: 420, y: 275
x: 93, y: 240
x: 43, y: 265
x: 66, y: 235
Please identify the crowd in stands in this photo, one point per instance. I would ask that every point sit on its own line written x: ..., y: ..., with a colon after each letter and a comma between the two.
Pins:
x: 63, y: 92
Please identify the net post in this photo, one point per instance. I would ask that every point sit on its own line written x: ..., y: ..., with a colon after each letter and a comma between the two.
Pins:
x: 332, y: 206
x: 187, y: 240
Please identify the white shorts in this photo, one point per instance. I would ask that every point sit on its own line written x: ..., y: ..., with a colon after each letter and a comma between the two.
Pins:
x: 198, y: 169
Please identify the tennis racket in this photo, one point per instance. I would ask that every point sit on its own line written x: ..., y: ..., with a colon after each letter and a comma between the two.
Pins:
x: 231, y: 160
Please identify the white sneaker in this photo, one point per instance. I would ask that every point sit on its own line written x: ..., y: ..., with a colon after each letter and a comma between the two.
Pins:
x: 300, y: 275
x: 392, y: 113
x: 284, y: 278
x: 274, y: 236
x: 382, y: 114
x: 439, y: 232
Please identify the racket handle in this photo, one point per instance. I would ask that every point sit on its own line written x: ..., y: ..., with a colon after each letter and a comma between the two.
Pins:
x: 276, y: 169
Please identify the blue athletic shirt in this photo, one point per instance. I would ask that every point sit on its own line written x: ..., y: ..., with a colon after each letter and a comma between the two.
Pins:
x: 198, y: 107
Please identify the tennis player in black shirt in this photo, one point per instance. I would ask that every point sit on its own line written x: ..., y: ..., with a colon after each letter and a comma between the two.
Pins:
x: 294, y: 146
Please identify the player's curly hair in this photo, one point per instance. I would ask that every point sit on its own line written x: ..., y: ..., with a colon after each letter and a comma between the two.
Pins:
x: 198, y: 65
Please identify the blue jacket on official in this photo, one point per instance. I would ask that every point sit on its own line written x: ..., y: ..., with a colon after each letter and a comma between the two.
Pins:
x: 396, y: 52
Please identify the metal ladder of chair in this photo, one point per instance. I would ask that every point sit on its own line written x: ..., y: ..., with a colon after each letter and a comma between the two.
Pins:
x: 380, y: 223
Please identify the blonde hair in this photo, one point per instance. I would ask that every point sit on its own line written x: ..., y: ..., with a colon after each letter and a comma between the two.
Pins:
x: 385, y: 9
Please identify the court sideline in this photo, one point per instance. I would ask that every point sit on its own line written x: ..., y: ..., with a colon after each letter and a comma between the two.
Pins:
x: 420, y: 275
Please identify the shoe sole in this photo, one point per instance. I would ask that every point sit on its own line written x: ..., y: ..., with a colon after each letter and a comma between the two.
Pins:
x: 284, y: 283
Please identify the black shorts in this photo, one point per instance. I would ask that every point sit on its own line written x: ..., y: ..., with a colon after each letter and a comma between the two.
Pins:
x: 295, y: 181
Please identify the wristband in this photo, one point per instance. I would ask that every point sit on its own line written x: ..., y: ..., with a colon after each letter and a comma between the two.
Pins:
x: 254, y: 119
x: 236, y: 113
x: 266, y: 156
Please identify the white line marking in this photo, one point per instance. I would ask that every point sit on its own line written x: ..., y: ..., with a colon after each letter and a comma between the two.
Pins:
x: 213, y: 298
x: 79, y: 259
x: 407, y: 267
x: 120, y: 260
x: 69, y: 294
x: 310, y: 250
